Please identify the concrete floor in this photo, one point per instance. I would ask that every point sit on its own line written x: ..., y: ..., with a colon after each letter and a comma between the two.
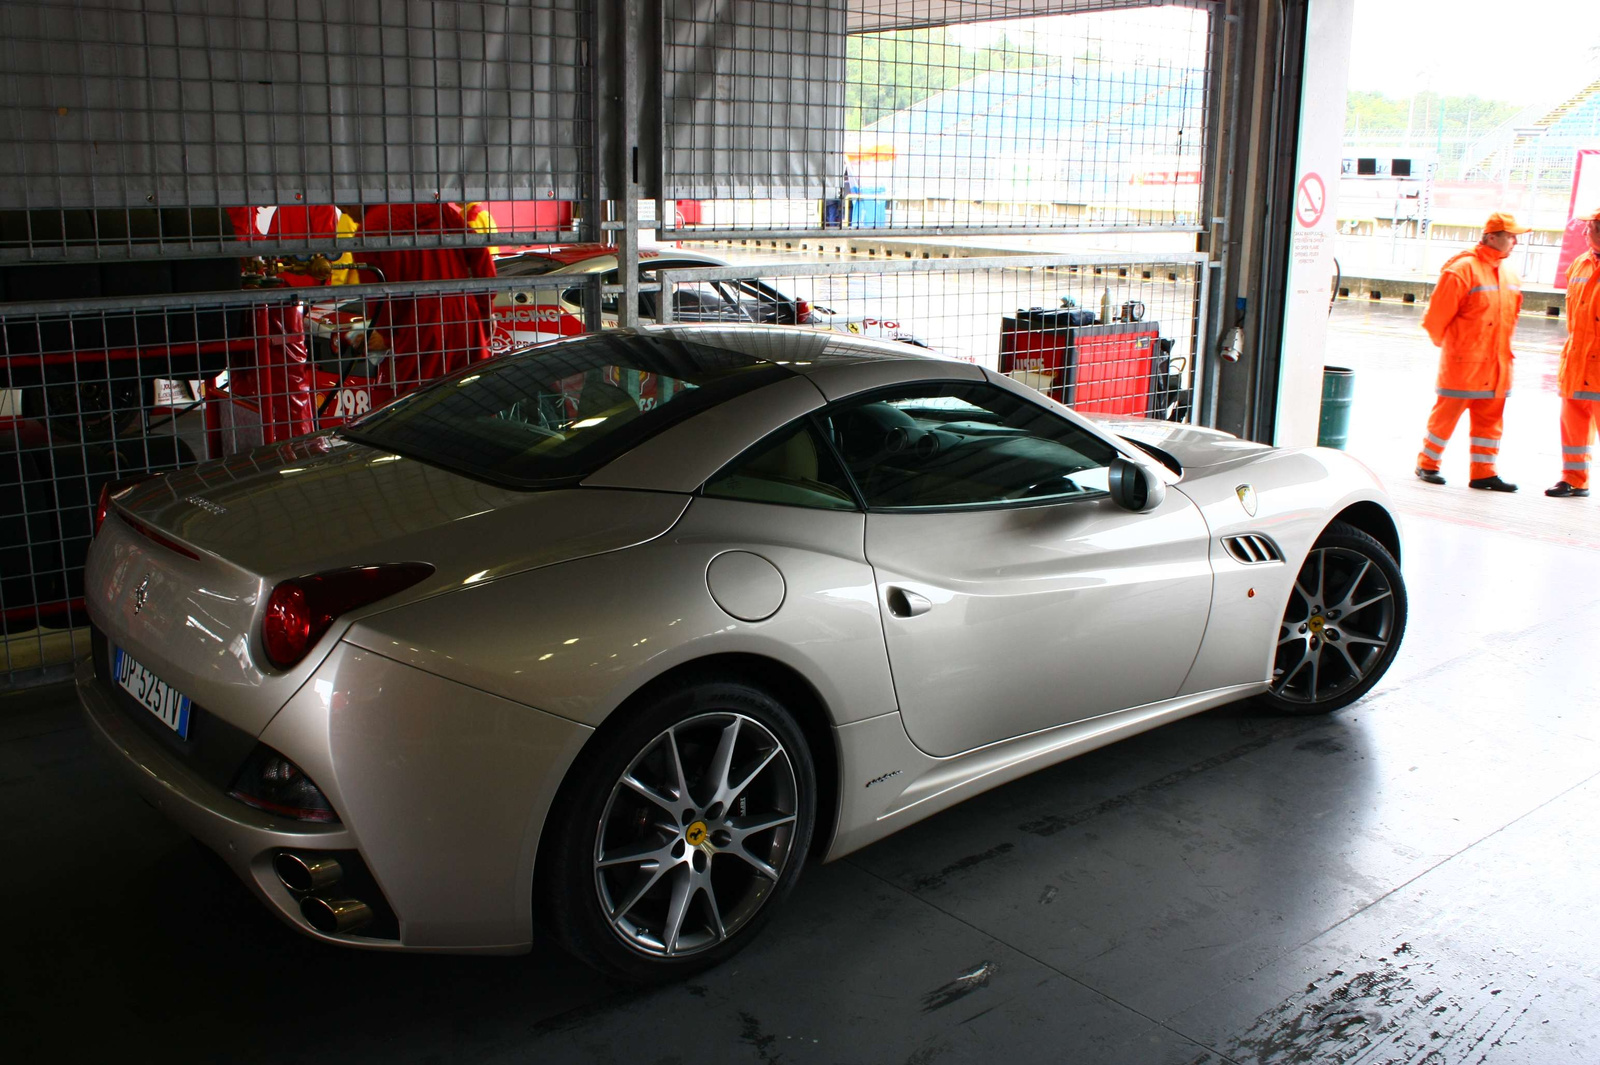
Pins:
x: 1409, y: 880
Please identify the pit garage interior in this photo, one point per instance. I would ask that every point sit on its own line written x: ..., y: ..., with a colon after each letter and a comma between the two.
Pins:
x: 1408, y: 879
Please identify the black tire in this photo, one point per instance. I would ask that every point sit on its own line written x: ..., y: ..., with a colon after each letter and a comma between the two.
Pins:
x: 1342, y: 625
x: 615, y: 911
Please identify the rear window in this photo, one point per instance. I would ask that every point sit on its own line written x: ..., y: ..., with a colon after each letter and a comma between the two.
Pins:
x: 558, y: 413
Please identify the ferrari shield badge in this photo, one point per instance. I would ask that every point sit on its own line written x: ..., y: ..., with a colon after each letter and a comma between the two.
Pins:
x: 1247, y: 498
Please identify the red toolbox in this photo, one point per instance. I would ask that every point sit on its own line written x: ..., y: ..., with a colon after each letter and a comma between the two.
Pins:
x: 1097, y: 369
x: 1035, y: 347
x: 1112, y: 368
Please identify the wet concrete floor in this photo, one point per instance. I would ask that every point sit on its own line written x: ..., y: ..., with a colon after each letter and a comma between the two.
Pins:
x: 1412, y: 880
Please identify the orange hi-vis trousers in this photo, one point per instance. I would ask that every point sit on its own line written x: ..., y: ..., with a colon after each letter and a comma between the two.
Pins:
x: 1580, y: 419
x: 1487, y: 420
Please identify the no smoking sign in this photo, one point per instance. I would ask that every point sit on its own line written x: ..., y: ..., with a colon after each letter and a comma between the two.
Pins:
x: 1310, y: 199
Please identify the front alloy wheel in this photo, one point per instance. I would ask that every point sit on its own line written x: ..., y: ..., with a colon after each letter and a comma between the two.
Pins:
x: 692, y: 819
x: 1342, y: 626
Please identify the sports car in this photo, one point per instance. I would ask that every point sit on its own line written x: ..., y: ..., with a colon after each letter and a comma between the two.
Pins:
x: 551, y: 304
x: 611, y: 637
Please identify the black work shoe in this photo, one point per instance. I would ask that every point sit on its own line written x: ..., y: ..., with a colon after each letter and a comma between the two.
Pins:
x: 1492, y: 483
x: 1562, y: 490
x: 1431, y: 476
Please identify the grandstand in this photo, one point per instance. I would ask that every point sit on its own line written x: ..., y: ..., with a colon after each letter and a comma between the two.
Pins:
x: 1074, y: 138
x: 1536, y: 147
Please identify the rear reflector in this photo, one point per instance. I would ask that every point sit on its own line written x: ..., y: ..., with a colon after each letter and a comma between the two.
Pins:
x: 271, y: 782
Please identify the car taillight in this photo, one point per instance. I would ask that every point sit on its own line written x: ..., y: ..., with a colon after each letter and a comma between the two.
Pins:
x: 271, y: 782
x: 802, y: 312
x: 299, y: 611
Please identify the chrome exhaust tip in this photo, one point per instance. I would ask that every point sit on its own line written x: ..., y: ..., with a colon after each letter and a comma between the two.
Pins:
x: 306, y: 872
x: 335, y: 916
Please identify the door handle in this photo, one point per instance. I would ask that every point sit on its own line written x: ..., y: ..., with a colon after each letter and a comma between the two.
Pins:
x: 905, y: 604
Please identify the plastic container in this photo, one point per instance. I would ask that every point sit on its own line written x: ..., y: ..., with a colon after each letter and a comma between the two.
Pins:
x: 1338, y: 388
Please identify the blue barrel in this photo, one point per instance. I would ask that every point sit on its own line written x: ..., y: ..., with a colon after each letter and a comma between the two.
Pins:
x: 1338, y: 386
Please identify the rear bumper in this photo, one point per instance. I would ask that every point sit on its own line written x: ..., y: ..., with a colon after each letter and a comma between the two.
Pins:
x: 442, y: 791
x: 246, y: 838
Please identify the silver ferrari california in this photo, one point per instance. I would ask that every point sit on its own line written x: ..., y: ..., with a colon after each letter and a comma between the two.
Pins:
x: 611, y: 637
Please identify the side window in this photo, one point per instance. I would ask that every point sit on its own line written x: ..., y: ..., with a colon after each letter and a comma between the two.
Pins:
x: 608, y: 302
x: 791, y: 466
x: 704, y: 301
x: 573, y: 296
x: 954, y: 444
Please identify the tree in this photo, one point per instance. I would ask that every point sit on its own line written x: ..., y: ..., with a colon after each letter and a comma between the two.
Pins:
x: 1452, y: 122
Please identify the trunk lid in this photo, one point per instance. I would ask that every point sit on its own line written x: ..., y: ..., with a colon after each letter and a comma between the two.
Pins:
x: 316, y: 504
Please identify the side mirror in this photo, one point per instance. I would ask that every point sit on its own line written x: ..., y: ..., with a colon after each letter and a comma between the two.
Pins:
x: 1134, y: 487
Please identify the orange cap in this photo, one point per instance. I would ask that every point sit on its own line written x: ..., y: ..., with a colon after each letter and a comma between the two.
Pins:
x: 1588, y: 216
x: 1501, y: 221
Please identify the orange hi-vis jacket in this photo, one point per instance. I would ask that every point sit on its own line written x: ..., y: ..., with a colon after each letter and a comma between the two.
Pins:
x: 1580, y: 356
x: 1470, y: 319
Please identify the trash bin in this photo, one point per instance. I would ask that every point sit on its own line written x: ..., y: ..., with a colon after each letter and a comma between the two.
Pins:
x: 1338, y: 385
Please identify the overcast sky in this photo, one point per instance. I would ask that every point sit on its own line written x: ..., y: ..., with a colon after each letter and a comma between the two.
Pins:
x: 1524, y: 52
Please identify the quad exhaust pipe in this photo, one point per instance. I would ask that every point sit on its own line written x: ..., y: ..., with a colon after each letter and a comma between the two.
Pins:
x: 307, y: 872
x: 311, y: 876
x: 335, y: 916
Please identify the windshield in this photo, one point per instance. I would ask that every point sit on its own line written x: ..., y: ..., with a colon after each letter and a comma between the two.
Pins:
x: 563, y: 410
x: 524, y: 266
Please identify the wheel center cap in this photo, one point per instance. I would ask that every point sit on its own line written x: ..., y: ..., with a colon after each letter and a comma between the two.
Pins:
x: 1317, y: 623
x: 695, y: 834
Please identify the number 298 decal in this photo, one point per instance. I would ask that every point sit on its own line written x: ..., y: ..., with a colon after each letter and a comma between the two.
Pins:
x: 351, y: 402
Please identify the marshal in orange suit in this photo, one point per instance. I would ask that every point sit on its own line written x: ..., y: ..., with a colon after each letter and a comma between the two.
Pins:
x: 1579, y: 376
x: 1470, y: 319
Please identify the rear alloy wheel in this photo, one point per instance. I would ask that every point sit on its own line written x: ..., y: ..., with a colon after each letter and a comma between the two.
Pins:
x: 1342, y: 626
x: 680, y: 832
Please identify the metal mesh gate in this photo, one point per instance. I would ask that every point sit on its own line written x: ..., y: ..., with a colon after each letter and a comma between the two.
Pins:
x: 973, y: 117
x: 225, y: 225
x: 1112, y: 335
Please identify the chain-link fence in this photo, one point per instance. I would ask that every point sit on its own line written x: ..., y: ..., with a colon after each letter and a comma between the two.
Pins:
x: 225, y: 225
x: 143, y: 130
x: 1004, y: 119
x: 1110, y: 335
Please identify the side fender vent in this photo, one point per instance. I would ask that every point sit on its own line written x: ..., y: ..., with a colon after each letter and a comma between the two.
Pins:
x: 1252, y: 549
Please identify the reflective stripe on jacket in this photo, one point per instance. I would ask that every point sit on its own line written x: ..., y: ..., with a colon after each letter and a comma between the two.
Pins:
x: 1470, y: 319
x: 1579, y: 377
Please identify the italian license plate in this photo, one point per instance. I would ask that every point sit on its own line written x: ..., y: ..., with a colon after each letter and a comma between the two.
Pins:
x: 169, y: 705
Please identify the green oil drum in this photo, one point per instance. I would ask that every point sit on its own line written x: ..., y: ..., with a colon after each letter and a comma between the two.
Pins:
x: 1338, y: 386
